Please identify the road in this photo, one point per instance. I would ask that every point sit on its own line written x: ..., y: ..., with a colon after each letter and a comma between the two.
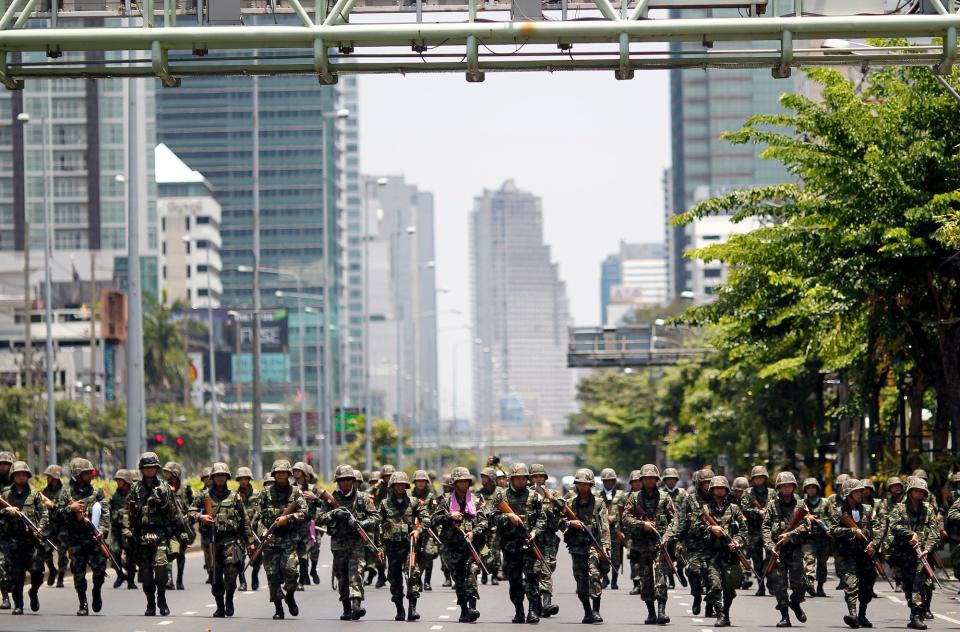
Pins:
x: 190, y: 609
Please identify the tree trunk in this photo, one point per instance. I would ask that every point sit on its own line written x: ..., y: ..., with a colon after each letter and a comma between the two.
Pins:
x: 915, y: 394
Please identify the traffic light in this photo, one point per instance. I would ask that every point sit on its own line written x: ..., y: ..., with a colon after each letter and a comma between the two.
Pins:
x: 155, y: 440
x: 179, y: 442
x: 310, y: 457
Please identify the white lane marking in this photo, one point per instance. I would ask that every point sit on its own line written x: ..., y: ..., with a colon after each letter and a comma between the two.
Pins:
x: 940, y: 616
x: 189, y: 612
x: 324, y: 566
x: 436, y: 627
x: 444, y: 616
x: 683, y: 603
x: 697, y: 620
x: 451, y: 607
x: 894, y: 599
x: 165, y: 623
x: 706, y: 630
x: 210, y: 605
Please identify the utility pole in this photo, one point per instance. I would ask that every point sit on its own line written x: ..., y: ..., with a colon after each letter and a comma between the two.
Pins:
x: 257, y: 418
x: 93, y: 337
x: 27, y: 311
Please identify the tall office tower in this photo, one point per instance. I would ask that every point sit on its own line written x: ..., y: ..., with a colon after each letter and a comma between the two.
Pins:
x: 304, y: 147
x: 521, y: 383
x: 401, y: 305
x: 635, y: 277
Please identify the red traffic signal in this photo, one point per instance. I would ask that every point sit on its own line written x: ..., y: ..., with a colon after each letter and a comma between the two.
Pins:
x: 155, y: 440
x: 179, y: 442
x: 310, y: 457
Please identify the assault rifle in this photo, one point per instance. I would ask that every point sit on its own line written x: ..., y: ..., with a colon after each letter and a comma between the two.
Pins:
x: 29, y: 524
x: 744, y: 562
x: 504, y: 507
x: 922, y: 557
x: 570, y: 515
x: 328, y: 498
x: 473, y: 551
x: 798, y: 515
x: 81, y: 516
x: 649, y: 524
x: 848, y: 521
x: 208, y: 509
x: 289, y: 509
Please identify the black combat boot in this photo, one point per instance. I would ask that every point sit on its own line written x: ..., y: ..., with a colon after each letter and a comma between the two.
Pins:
x: 314, y: 575
x: 162, y: 606
x: 427, y: 576
x: 83, y: 610
x: 724, y: 621
x: 371, y: 573
x: 218, y: 613
x: 518, y: 616
x: 761, y: 589
x: 412, y: 610
x: 381, y: 578
x: 851, y: 617
x: 357, y: 610
x: 587, y: 609
x: 862, y: 617
x: 181, y: 563
x: 243, y: 581
x: 926, y: 606
x: 255, y: 578
x: 228, y: 604
x: 401, y: 614
x: 662, y: 618
x: 708, y: 611
x: 533, y: 613
x: 171, y: 586
x: 797, y: 610
x: 784, y: 618
x: 151, y: 610
x: 304, y: 575
x: 636, y: 588
x: 810, y: 591
x: 278, y: 609
x: 474, y: 613
x: 549, y: 608
x: 820, y: 592
x: 671, y: 584
x: 464, y: 610
x: 292, y: 604
x: 682, y: 577
x: 60, y: 576
x: 18, y: 600
x: 51, y: 572
x: 483, y: 578
x: 613, y: 582
x: 36, y: 581
x: 596, y: 610
x: 118, y: 582
x: 651, y: 614
x: 605, y: 581
x: 697, y: 600
x: 96, y: 597
x: 916, y: 620
x: 347, y: 610
x: 494, y: 579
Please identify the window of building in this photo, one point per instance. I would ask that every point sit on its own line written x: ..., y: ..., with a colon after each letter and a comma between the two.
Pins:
x: 188, y: 270
x: 202, y: 292
x: 712, y: 273
x: 201, y: 267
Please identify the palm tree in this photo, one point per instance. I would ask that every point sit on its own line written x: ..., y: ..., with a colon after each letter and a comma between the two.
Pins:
x: 164, y: 359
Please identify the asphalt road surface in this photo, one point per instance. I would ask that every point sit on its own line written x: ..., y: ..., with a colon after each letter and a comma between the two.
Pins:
x: 319, y: 608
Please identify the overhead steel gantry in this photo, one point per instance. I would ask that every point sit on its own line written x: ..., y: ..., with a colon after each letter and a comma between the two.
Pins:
x: 182, y: 38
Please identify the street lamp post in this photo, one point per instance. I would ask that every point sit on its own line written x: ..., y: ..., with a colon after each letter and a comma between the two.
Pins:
x: 214, y: 422
x: 24, y: 117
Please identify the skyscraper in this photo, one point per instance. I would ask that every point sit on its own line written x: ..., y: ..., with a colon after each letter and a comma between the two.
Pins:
x: 522, y: 385
x: 633, y: 278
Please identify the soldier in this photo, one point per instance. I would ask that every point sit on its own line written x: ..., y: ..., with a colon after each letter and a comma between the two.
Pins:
x: 487, y: 499
x: 646, y: 517
x: 461, y: 524
x: 671, y: 478
x: 83, y: 511
x: 21, y: 550
x: 854, y: 555
x: 783, y: 537
x: 401, y: 520
x: 122, y: 547
x: 868, y: 491
x: 150, y: 511
x: 636, y: 484
x: 316, y: 533
x: 248, y: 496
x: 698, y: 552
x: 816, y: 549
x: 307, y: 540
x: 833, y: 502
x: 54, y: 483
x: 225, y: 517
x: 912, y: 533
x: 952, y: 524
x: 184, y: 534
x: 740, y: 486
x: 371, y: 562
x: 447, y: 489
x: 341, y: 513
x: 194, y: 513
x: 423, y: 493
x: 379, y: 493
x: 282, y: 508
x: 753, y: 504
x: 883, y: 511
x: 547, y: 540
x: 728, y: 535
x: 519, y: 517
x: 6, y: 462
x: 614, y: 500
x: 591, y: 518
x: 938, y: 520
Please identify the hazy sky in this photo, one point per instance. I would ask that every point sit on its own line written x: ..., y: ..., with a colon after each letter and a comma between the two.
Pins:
x: 593, y: 148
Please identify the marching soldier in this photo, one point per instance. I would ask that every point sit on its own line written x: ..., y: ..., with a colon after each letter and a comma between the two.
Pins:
x: 740, y: 486
x: 247, y: 495
x: 912, y: 534
x: 6, y: 462
x: 938, y: 519
x: 753, y: 504
x: 671, y: 478
x: 487, y: 498
x: 461, y: 525
x: 697, y: 549
x: 783, y: 537
x: 833, y: 502
x: 401, y: 520
x: 636, y: 484
x: 121, y: 546
x: 371, y: 562
x: 614, y: 500
x: 225, y: 517
x: 547, y: 540
x: 646, y: 517
x: 280, y: 512
x: 150, y: 511
x: 380, y: 492
x: 816, y: 550
x: 952, y: 524
x: 519, y: 517
x: 307, y: 540
x: 725, y: 535
x: 423, y: 493
x: 82, y: 509
x: 447, y: 489
x: 187, y: 510
x: 884, y: 510
x: 316, y: 533
x: 869, y: 489
x: 855, y: 547
x: 591, y: 519
x: 21, y: 549
x: 54, y: 483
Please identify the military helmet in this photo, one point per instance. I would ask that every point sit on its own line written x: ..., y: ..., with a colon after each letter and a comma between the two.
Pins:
x: 281, y: 465
x: 868, y: 484
x: 741, y: 483
x: 671, y: 472
x: 21, y: 466
x: 811, y: 482
x: 519, y: 469
x: 489, y: 472
x: 894, y: 480
x: 220, y: 468
x: 148, y: 459
x: 374, y: 476
x: 357, y: 474
x: 840, y: 480
x: 460, y: 474
x: 706, y: 474
x: 365, y: 475
x: 786, y: 478
x: 79, y: 466
x: 387, y: 470
x: 650, y: 470
x: 583, y: 475
x: 759, y: 470
x: 55, y: 471
x: 915, y: 482
x: 538, y: 469
x: 955, y: 477
x: 174, y: 468
x: 719, y: 481
x: 501, y: 474
x: 343, y: 472
x: 420, y: 475
x: 300, y: 465
x: 269, y: 480
x: 399, y: 478
x: 6, y: 457
x: 244, y: 472
x: 448, y: 481
x: 919, y: 473
x: 634, y: 475
x: 608, y: 474
x: 121, y: 475
x: 205, y: 472
x: 851, y: 485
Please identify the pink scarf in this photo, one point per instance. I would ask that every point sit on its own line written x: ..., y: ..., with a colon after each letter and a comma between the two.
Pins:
x: 471, y: 509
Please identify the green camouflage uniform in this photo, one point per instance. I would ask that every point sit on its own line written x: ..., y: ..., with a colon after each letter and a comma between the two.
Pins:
x: 697, y: 550
x: 519, y: 563
x: 614, y: 502
x: 280, y: 558
x: 121, y: 546
x: 20, y: 552
x: 753, y: 505
x: 586, y: 560
x: 788, y: 574
x: 487, y: 499
x: 819, y: 545
x: 856, y: 567
x: 250, y: 499
x: 55, y: 532
x: 429, y: 549
x: 953, y: 530
x: 230, y: 534
x: 186, y: 507
x: 399, y: 519
x: 462, y: 567
x: 903, y: 521
x: 677, y: 499
x: 84, y: 551
x: 724, y: 573
x: 309, y: 540
x: 348, y: 549
x: 645, y: 546
x: 149, y: 519
x: 549, y: 543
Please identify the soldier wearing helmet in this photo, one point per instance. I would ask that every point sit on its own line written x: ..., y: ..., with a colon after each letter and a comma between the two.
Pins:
x: 548, y: 540
x: 869, y: 489
x: 423, y: 493
x: 519, y: 517
x: 911, y: 524
x: 952, y: 524
x: 151, y: 511
x: 781, y: 533
x: 120, y: 546
x: 646, y: 519
x: 379, y: 493
x: 225, y: 517
x: 740, y: 485
x: 754, y: 503
x: 22, y: 552
x: 697, y: 552
x: 614, y: 500
x: 488, y: 497
x: 247, y: 495
x: 724, y: 538
x: 671, y: 480
x: 186, y: 504
x: 817, y: 548
x: 341, y: 512
x: 402, y: 523
x: 6, y: 462
x: 588, y: 516
x: 309, y: 536
x: 53, y: 477
x: 283, y: 508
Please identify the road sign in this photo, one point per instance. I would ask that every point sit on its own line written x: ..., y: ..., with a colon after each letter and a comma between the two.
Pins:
x: 393, y: 451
